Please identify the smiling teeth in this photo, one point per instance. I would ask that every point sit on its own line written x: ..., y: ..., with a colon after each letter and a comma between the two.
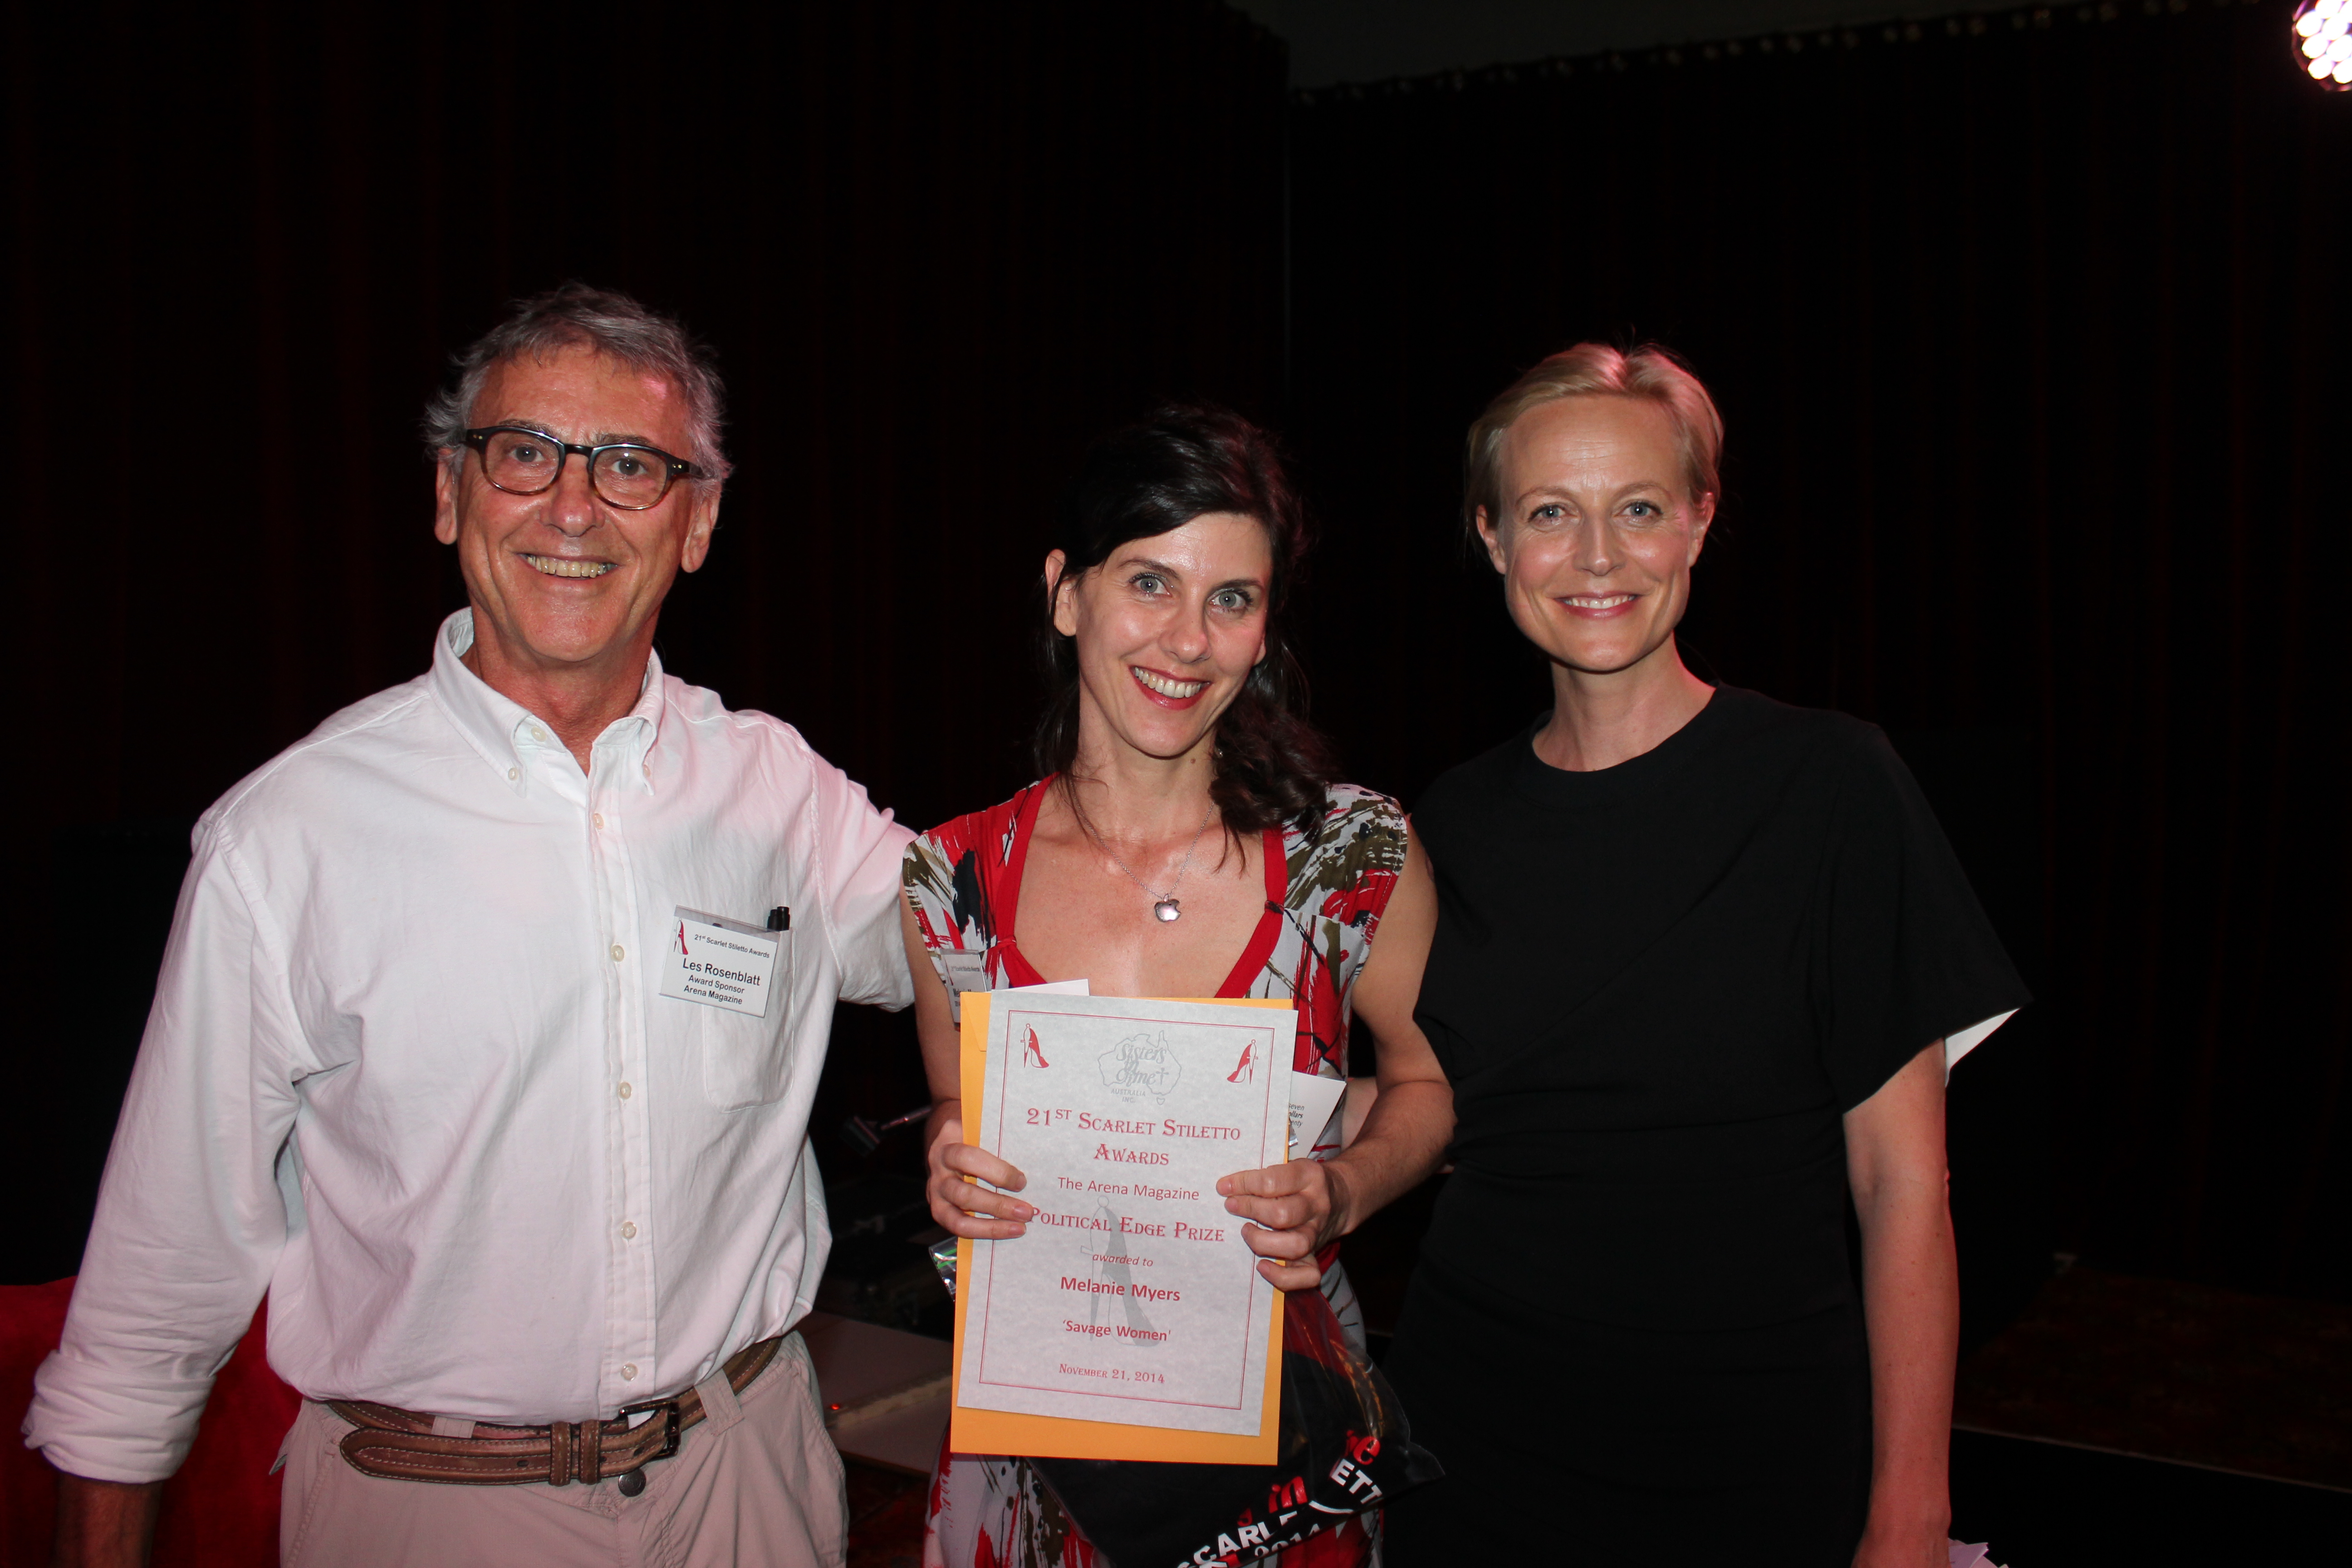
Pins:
x: 557, y: 566
x: 1179, y: 690
x: 1610, y: 603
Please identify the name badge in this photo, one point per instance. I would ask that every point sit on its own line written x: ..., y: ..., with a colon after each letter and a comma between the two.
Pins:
x: 721, y: 962
x: 967, y: 969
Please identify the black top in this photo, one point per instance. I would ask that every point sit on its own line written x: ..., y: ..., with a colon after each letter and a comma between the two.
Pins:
x: 1656, y: 988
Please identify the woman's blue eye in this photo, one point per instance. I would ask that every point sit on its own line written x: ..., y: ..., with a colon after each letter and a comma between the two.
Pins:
x: 1149, y: 583
x: 1233, y: 599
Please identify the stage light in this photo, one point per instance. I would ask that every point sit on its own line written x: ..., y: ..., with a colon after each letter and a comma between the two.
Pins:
x: 2322, y: 42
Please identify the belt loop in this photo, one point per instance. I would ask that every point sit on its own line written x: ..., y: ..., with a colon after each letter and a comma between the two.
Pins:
x: 591, y: 1456
x: 559, y: 1456
x: 452, y: 1426
x: 719, y: 1405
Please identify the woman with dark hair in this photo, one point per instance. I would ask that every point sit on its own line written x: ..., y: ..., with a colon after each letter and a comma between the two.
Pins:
x: 1186, y: 840
x: 1703, y: 962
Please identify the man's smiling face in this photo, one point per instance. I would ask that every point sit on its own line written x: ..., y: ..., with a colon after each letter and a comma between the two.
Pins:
x: 562, y: 580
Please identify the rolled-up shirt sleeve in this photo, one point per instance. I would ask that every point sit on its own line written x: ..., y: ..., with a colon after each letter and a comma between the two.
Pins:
x: 190, y: 1219
x: 858, y: 851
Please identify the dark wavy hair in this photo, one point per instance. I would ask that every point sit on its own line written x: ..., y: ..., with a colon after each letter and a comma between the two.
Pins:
x: 1152, y: 477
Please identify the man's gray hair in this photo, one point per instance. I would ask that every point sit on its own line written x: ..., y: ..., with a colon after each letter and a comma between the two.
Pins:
x: 574, y: 315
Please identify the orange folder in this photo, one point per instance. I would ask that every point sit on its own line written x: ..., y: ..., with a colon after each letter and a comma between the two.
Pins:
x: 1059, y: 1437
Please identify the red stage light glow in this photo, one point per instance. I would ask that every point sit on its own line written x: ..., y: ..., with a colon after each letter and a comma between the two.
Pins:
x: 2322, y: 42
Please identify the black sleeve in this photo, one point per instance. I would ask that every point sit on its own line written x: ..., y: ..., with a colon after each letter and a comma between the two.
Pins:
x: 1908, y: 954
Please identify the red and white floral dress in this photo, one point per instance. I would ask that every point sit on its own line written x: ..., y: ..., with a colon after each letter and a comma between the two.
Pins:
x: 1325, y: 890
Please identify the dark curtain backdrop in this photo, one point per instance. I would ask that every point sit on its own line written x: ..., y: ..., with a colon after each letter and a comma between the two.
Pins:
x: 937, y: 247
x: 2027, y: 335
x: 2030, y: 332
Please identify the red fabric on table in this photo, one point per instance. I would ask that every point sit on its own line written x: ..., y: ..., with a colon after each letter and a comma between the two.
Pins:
x: 219, y: 1511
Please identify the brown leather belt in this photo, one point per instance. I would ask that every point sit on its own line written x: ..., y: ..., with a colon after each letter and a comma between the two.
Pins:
x: 401, y: 1445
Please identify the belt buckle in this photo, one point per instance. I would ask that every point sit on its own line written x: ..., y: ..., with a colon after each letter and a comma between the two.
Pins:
x: 668, y: 1410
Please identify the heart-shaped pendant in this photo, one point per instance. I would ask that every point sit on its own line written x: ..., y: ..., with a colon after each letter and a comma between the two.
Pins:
x: 1166, y: 909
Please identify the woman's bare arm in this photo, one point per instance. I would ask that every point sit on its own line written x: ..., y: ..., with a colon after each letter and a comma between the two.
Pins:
x: 1355, y: 1105
x: 1301, y: 1207
x: 1911, y: 1301
x: 960, y: 1205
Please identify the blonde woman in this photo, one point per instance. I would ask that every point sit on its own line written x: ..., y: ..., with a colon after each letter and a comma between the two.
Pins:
x: 1700, y: 960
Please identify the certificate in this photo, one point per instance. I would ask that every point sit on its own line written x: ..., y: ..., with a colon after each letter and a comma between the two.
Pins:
x: 1131, y: 1320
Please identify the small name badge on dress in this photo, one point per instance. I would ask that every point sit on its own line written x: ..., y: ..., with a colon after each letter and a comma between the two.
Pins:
x: 721, y: 962
x: 967, y: 969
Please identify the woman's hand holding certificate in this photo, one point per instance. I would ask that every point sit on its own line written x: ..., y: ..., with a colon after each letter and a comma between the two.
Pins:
x: 970, y: 1189
x: 1300, y: 1206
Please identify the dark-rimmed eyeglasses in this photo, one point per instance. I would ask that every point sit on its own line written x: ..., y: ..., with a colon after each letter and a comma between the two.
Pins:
x: 626, y: 474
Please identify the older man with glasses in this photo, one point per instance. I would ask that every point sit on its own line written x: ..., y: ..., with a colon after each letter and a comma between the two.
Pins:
x: 485, y: 1043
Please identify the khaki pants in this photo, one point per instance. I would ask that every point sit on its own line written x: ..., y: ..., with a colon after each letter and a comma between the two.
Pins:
x: 757, y: 1482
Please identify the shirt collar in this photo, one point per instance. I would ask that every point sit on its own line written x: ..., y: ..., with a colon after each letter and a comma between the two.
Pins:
x: 514, y: 741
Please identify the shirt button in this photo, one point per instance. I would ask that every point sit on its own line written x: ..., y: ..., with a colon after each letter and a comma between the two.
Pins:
x: 617, y: 953
x: 536, y: 734
x: 629, y: 1230
x: 629, y: 1373
x: 598, y: 819
x: 513, y: 774
x: 627, y: 1091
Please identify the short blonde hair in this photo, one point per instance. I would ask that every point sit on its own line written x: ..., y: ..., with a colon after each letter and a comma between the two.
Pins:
x: 1595, y: 370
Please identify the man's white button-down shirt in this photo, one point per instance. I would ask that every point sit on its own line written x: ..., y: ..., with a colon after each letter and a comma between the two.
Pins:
x: 410, y: 1070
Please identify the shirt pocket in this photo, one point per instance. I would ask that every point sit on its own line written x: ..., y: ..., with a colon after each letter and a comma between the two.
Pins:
x: 746, y: 1060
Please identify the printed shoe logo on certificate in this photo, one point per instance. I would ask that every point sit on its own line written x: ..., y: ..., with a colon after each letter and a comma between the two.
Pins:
x: 1132, y: 1299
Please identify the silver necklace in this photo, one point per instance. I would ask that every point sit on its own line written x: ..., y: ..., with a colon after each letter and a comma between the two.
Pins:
x: 1165, y: 907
